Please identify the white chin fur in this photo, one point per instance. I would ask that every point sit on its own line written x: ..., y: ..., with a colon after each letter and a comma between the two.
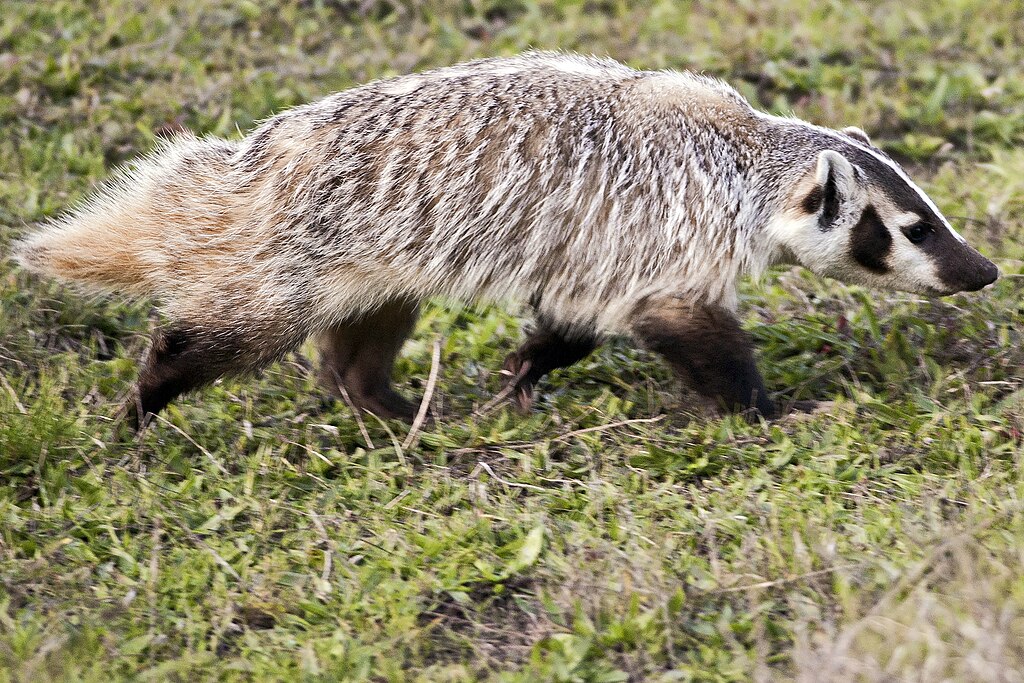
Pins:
x: 912, y: 270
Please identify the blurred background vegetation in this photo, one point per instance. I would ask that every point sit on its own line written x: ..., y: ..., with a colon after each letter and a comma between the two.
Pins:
x: 612, y: 535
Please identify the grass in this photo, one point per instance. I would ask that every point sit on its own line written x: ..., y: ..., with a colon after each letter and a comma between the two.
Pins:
x: 610, y: 535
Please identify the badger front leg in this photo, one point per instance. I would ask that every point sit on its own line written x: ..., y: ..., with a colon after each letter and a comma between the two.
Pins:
x: 545, y: 349
x: 708, y: 348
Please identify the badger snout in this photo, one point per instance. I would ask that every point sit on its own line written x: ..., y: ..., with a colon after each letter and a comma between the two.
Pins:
x: 984, y: 276
x: 970, y: 274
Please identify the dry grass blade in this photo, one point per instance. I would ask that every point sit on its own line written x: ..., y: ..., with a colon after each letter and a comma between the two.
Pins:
x: 208, y: 454
x: 481, y: 465
x: 356, y: 412
x: 14, y: 394
x: 610, y: 425
x: 428, y: 393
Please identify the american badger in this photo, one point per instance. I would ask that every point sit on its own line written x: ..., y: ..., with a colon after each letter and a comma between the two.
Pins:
x: 613, y: 201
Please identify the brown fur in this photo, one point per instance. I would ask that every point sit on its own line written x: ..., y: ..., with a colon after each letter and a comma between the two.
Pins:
x: 186, y: 355
x: 180, y: 359
x: 358, y: 356
x: 706, y: 346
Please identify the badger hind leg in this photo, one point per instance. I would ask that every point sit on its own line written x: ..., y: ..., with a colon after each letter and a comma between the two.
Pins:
x: 547, y: 348
x: 184, y: 356
x: 358, y: 355
x: 706, y: 346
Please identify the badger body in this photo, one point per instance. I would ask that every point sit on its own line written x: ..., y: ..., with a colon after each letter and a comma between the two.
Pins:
x: 614, y: 201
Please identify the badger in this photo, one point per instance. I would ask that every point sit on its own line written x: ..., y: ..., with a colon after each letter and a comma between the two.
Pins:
x: 611, y: 201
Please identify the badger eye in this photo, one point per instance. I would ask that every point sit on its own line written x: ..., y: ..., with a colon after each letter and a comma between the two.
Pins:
x: 917, y: 232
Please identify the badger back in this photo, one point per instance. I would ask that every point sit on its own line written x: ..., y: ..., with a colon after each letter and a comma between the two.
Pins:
x: 569, y: 179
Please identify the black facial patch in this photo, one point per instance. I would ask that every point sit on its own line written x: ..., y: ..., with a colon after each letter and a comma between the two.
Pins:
x: 830, y: 208
x: 812, y: 202
x: 871, y: 242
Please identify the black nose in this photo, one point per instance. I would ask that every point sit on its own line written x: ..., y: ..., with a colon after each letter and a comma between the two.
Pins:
x: 984, y: 276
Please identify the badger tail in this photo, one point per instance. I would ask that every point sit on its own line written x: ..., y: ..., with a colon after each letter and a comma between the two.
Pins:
x: 135, y: 234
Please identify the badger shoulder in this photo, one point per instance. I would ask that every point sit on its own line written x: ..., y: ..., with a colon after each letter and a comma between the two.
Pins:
x: 692, y: 96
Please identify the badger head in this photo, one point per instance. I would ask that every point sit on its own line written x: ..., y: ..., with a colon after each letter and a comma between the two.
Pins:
x: 856, y: 216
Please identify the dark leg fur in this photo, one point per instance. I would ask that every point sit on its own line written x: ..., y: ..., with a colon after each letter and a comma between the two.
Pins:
x: 359, y: 355
x: 183, y: 358
x: 707, y: 346
x: 544, y: 350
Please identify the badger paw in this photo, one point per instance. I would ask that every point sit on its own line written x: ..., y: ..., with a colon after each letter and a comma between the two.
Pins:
x: 517, y: 383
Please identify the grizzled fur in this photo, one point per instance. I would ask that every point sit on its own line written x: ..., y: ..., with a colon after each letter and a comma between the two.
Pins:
x: 615, y: 201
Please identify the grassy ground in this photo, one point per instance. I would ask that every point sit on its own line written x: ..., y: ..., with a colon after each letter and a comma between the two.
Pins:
x: 611, y: 535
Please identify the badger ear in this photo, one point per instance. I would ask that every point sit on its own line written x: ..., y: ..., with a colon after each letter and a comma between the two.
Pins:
x: 857, y: 134
x: 834, y: 177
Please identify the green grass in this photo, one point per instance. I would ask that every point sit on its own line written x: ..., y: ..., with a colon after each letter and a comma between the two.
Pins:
x: 612, y: 534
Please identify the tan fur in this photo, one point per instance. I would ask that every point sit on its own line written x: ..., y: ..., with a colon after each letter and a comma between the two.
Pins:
x: 157, y: 223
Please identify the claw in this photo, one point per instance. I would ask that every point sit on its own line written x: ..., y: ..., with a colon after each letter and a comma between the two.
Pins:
x: 515, y: 371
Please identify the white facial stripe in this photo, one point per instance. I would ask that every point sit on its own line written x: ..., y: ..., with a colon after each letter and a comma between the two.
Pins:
x: 904, y: 220
x: 925, y: 198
